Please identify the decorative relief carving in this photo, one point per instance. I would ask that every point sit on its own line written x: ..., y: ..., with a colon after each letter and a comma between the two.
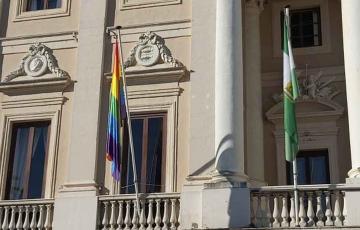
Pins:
x: 37, y: 63
x: 314, y: 87
x: 150, y: 50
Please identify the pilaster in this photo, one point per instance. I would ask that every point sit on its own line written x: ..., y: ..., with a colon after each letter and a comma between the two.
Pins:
x: 253, y: 93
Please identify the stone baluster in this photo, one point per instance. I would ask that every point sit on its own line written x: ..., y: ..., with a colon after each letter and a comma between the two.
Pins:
x: 345, y: 211
x: 12, y: 223
x: 5, y: 224
x: 26, y: 224
x: 105, y: 220
x: 267, y: 216
x: 166, y: 217
x: 48, y: 218
x: 113, y: 215
x: 1, y: 215
x: 252, y: 210
x: 150, y: 217
x: 34, y: 217
x: 302, y: 213
x: 142, y: 216
x: 292, y: 212
x: 328, y: 211
x: 19, y: 223
x: 127, y: 220
x: 135, y: 219
x: 284, y: 212
x: 173, y: 218
x: 157, y: 215
x: 258, y: 222
x: 319, y: 210
x: 310, y: 210
x: 120, y: 218
x: 337, y: 210
x: 276, y: 213
x: 40, y: 224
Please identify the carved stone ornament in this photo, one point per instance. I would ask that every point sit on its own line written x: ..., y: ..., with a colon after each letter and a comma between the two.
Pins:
x: 37, y: 63
x: 314, y: 87
x: 150, y: 50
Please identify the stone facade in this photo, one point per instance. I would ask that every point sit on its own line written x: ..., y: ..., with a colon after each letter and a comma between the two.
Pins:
x: 214, y: 67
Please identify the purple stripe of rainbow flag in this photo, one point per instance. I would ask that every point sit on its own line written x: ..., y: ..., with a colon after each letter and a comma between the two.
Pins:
x: 116, y: 117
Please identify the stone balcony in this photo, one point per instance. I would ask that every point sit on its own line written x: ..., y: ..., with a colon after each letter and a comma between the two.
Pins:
x: 158, y: 211
x: 26, y: 214
x: 319, y: 206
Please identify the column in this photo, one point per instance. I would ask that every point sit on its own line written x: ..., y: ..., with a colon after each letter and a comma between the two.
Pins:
x: 229, y: 105
x: 76, y: 204
x: 351, y: 38
x: 253, y: 93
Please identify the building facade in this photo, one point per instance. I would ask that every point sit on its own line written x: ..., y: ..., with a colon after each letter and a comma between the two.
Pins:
x: 205, y: 95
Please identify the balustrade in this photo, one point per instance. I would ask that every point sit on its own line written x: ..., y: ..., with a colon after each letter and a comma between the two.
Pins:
x: 274, y: 206
x: 158, y: 212
x: 26, y: 214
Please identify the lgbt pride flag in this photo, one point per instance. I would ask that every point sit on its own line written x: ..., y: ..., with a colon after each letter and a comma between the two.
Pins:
x: 116, y: 129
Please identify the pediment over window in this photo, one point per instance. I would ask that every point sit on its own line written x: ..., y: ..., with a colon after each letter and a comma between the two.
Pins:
x: 150, y: 51
x: 38, y: 70
x: 307, y: 110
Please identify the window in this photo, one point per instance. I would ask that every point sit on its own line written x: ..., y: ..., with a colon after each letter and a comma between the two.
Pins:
x: 27, y: 161
x: 313, y: 167
x: 149, y: 138
x: 33, y: 5
x: 305, y: 27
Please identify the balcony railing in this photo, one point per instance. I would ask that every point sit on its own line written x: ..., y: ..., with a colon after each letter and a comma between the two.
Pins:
x: 26, y: 214
x: 319, y: 205
x: 158, y: 211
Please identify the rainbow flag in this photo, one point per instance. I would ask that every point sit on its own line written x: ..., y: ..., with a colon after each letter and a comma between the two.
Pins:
x: 116, y: 118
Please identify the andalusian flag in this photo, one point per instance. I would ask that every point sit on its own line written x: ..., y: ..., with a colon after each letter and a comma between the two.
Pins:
x: 291, y: 92
x: 116, y: 118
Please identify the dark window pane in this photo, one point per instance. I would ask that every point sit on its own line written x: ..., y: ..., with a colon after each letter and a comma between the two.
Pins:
x: 27, y: 161
x: 305, y: 27
x: 33, y: 5
x: 52, y: 4
x: 154, y: 156
x: 312, y: 167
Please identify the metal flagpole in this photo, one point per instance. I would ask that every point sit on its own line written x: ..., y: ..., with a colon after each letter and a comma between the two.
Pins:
x: 296, y: 195
x: 136, y: 183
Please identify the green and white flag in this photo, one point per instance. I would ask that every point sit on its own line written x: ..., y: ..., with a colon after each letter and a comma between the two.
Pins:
x: 291, y: 92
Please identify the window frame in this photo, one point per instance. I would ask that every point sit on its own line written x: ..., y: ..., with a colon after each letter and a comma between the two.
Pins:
x: 277, y: 8
x: 143, y: 173
x: 12, y: 115
x: 31, y: 126
x: 22, y: 14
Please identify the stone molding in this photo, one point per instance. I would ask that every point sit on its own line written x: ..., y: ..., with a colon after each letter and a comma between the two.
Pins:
x: 168, y: 29
x: 317, y: 129
x: 20, y: 44
x: 38, y: 61
x: 134, y: 4
x: 27, y: 108
x: 255, y: 4
x: 22, y: 15
x: 150, y: 50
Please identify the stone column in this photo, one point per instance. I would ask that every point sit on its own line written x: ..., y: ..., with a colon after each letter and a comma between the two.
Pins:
x: 351, y: 38
x: 229, y: 105
x: 76, y: 204
x: 253, y: 93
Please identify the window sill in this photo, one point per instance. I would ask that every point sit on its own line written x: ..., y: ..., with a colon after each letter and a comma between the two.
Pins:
x: 134, y: 4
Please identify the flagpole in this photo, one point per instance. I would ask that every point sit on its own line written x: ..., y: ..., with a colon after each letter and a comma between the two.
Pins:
x: 132, y: 152
x: 296, y: 195
x: 295, y: 174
